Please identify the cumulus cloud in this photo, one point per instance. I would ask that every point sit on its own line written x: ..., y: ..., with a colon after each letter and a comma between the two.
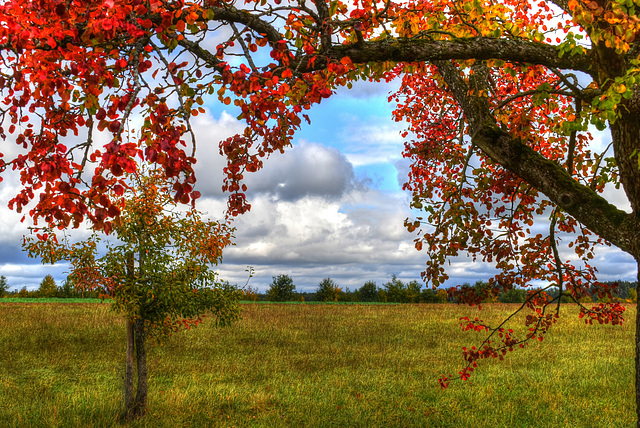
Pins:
x: 307, y: 169
x: 357, y: 238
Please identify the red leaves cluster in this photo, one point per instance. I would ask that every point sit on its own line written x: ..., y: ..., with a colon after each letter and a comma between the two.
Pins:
x: 603, y: 313
x: 79, y: 69
x: 74, y: 69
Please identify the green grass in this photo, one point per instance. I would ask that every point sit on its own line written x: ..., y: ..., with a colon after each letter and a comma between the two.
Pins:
x: 313, y: 365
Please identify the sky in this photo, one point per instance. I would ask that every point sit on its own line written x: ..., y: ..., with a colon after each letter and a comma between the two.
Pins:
x: 331, y: 206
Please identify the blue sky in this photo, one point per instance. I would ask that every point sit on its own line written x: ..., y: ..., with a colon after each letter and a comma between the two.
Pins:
x: 330, y: 206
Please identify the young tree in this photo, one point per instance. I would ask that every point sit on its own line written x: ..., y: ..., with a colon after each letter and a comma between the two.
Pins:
x: 499, y: 98
x: 158, y: 273
x: 281, y: 289
x: 328, y: 291
x: 48, y: 287
x: 4, y: 286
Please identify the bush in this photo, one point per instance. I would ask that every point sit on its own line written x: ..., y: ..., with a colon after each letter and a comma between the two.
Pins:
x: 249, y: 293
x: 282, y: 289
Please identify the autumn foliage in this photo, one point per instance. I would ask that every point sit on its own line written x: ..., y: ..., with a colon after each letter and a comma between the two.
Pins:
x: 500, y: 98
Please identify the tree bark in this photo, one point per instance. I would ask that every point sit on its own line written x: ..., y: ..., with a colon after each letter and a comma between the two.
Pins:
x: 130, y: 404
x: 140, y: 405
x: 128, y: 371
x: 638, y: 347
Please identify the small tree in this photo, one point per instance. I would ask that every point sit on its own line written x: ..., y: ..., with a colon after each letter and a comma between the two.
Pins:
x: 396, y: 290
x: 429, y: 295
x: 328, y: 291
x: 66, y: 289
x: 157, y: 273
x: 368, y: 292
x: 48, y: 287
x: 282, y: 289
x: 413, y: 289
x: 4, y: 286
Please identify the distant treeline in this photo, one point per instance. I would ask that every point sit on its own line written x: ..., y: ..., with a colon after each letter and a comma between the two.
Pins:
x: 283, y: 289
x: 47, y: 288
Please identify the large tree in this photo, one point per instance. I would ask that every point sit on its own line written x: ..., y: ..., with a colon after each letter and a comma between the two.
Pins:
x: 499, y: 98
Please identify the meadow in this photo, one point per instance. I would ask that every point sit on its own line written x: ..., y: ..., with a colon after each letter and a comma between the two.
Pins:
x: 313, y: 365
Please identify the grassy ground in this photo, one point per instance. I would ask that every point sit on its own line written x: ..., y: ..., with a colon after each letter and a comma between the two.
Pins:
x: 312, y: 365
x: 50, y: 300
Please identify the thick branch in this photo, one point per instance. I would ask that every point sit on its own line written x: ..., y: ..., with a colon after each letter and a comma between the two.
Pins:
x: 478, y: 48
x: 584, y: 204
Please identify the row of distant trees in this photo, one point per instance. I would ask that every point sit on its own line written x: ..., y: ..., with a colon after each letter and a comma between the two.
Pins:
x: 48, y: 288
x: 283, y: 289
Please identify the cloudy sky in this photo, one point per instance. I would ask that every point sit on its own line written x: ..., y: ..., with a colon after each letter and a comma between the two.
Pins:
x: 331, y: 206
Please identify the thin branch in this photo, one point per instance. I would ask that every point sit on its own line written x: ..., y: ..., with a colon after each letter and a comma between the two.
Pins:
x: 245, y: 49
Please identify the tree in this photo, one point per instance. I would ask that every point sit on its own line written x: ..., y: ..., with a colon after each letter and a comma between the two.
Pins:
x: 328, y: 291
x: 414, y: 289
x: 515, y: 295
x: 48, y: 287
x: 368, y: 292
x: 158, y: 273
x: 399, y: 292
x: 429, y: 295
x: 499, y: 98
x: 281, y: 289
x: 395, y: 290
x: 4, y: 286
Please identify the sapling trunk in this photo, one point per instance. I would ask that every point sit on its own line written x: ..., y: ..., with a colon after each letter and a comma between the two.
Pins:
x: 141, y: 362
x: 128, y: 371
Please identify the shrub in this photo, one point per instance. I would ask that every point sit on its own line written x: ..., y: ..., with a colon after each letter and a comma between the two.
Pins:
x: 249, y: 293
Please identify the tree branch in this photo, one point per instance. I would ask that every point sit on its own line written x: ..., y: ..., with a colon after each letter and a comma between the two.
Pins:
x: 552, y: 179
x: 478, y: 48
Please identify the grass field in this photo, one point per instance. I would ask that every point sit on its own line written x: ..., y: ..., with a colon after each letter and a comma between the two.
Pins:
x: 313, y: 365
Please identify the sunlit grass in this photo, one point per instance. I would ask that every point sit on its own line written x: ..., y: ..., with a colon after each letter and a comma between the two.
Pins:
x: 313, y: 365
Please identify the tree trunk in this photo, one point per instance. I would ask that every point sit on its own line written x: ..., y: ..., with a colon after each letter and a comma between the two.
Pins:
x: 141, y: 360
x: 638, y: 346
x: 134, y: 407
x: 128, y: 371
